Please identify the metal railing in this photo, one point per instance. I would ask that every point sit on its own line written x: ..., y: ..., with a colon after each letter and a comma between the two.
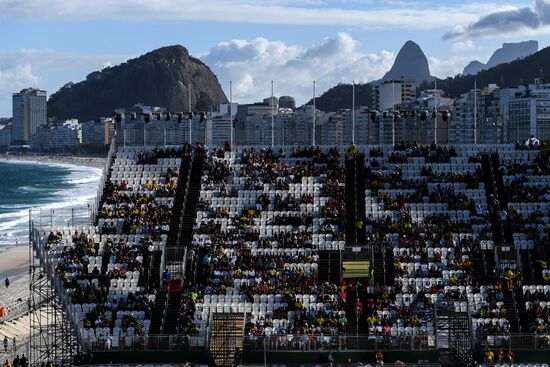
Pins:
x: 264, y: 343
x: 103, y: 180
x: 48, y: 219
x: 339, y: 342
x: 146, y: 343
x: 516, y: 341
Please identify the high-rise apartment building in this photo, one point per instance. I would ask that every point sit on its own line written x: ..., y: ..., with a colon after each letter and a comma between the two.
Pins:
x: 29, y: 112
x: 387, y: 94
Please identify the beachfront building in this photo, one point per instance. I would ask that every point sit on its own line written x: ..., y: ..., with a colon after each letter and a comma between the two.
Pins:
x: 529, y: 113
x: 57, y: 136
x: 387, y: 94
x: 5, y: 136
x: 98, y: 134
x: 29, y: 112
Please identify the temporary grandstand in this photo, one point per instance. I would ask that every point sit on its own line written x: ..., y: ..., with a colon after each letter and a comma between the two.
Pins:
x: 221, y: 256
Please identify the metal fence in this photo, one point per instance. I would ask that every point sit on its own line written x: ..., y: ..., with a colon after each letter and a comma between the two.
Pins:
x: 516, y: 341
x: 340, y: 342
x: 57, y: 219
x: 149, y: 343
x: 263, y: 343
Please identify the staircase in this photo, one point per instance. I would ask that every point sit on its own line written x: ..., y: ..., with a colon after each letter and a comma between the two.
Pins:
x: 360, y: 195
x: 226, y: 338
x: 527, y: 266
x: 478, y: 267
x: 184, y: 236
x: 522, y: 312
x: 170, y: 322
x: 351, y: 203
x: 158, y: 312
x: 511, y: 311
x: 330, y: 269
x: 351, y: 314
x: 383, y: 266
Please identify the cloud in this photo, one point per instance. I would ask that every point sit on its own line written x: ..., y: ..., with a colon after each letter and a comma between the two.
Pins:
x: 251, y: 65
x: 462, y: 46
x: 415, y: 15
x: 46, y: 69
x: 443, y: 68
x: 506, y: 20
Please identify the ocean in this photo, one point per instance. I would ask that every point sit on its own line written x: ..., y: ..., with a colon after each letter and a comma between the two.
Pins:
x: 43, y: 187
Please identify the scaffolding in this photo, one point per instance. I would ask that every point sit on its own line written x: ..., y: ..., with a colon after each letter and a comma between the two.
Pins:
x: 453, y: 329
x: 52, y: 337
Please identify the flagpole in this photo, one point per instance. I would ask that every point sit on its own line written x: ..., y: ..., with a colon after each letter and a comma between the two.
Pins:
x: 353, y: 114
x: 435, y: 119
x: 231, y: 110
x: 272, y: 119
x: 475, y: 111
x: 314, y: 113
x: 189, y: 115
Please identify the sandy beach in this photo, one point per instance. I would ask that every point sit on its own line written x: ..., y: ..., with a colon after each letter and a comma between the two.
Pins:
x: 14, y: 261
x: 98, y: 162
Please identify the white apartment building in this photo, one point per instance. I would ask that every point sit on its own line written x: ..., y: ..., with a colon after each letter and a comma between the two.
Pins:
x: 387, y: 94
x: 29, y: 112
x: 57, y: 136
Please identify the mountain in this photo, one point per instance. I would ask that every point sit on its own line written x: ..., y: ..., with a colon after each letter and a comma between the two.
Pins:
x: 341, y: 97
x: 158, y: 78
x: 473, y: 68
x: 512, y: 74
x: 411, y: 63
x: 507, y: 53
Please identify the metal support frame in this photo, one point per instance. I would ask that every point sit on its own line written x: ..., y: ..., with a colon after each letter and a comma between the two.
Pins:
x: 52, y: 336
x: 455, y: 324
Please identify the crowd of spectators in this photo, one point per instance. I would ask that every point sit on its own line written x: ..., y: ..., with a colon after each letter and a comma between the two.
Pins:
x: 260, y: 252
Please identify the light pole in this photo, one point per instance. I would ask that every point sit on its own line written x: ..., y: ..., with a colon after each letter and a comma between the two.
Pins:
x: 231, y: 111
x: 190, y: 118
x: 475, y: 111
x: 435, y: 115
x: 314, y: 113
x: 272, y: 119
x: 353, y: 113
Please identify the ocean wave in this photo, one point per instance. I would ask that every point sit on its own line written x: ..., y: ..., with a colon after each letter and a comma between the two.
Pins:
x: 79, y: 189
x: 79, y: 181
x: 27, y: 188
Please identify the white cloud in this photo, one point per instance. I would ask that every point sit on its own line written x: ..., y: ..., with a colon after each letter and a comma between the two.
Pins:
x: 415, y: 15
x: 16, y: 77
x: 506, y: 20
x: 251, y: 65
x: 462, y: 46
x: 443, y: 68
x: 24, y: 68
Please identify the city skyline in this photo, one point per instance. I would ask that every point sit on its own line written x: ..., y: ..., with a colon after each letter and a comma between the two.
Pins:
x: 252, y: 42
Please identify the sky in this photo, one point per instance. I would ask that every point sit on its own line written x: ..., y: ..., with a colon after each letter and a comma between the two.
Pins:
x: 48, y: 43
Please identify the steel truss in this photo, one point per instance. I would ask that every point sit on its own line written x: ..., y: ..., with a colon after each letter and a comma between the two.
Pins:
x: 52, y: 336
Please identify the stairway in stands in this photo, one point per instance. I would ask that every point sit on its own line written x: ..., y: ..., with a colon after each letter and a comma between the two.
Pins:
x: 227, y: 332
x: 383, y: 266
x: 502, y: 234
x: 184, y: 237
x: 478, y: 265
x: 351, y: 203
x: 330, y: 269
x: 171, y: 314
x: 502, y: 195
x: 511, y: 311
x: 360, y: 195
x: 351, y: 313
x: 162, y: 303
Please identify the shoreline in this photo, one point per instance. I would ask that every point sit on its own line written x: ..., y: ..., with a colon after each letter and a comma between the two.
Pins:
x: 96, y: 162
x: 14, y: 261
